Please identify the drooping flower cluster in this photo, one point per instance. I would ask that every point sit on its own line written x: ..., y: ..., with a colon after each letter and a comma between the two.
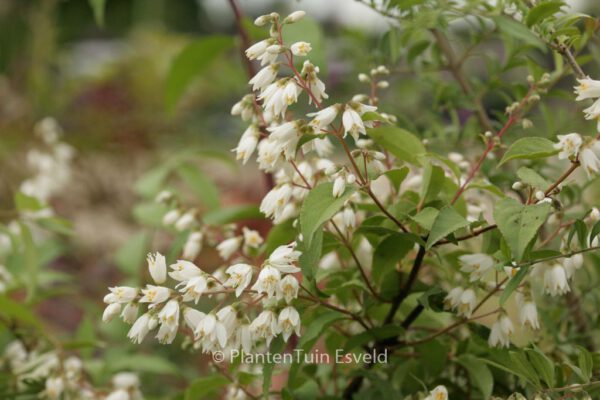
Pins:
x: 223, y: 328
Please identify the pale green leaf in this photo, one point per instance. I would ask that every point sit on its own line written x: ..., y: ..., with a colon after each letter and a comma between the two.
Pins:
x: 447, y: 221
x: 530, y: 148
x: 400, y: 142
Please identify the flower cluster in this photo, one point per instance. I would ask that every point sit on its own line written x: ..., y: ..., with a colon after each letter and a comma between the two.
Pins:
x: 64, y: 377
x: 223, y: 328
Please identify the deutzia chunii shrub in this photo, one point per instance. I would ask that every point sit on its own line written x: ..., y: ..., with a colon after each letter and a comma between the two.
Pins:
x: 464, y: 264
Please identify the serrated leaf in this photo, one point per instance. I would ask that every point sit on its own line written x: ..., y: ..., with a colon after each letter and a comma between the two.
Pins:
x: 400, y: 142
x: 397, y: 176
x: 585, y: 362
x: 426, y: 217
x: 519, y: 223
x: 194, y: 59
x: 530, y: 148
x: 320, y: 206
x: 433, y: 182
x: 513, y: 283
x: 447, y: 221
x: 543, y: 365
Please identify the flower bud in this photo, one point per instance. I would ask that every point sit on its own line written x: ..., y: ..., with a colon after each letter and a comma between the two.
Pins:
x: 364, y: 78
x: 383, y: 84
x: 517, y: 185
x: 294, y: 17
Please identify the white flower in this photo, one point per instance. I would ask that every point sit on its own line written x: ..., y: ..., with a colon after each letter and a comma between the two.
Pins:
x: 467, y: 303
x: 186, y: 221
x: 284, y: 257
x: 228, y: 316
x: 452, y: 299
x: 279, y: 95
x: 240, y: 276
x: 157, y: 265
x: 55, y: 387
x: 252, y: 238
x: 572, y: 264
x: 316, y: 86
x: 193, y: 246
x: 288, y: 322
x: 275, y: 201
x: 476, y: 265
x: 126, y: 380
x: 170, y: 314
x: 511, y: 271
x: 210, y: 330
x: 353, y: 123
x: 195, y: 287
x: 264, y: 77
x: 555, y: 280
x: 501, y: 331
x: 258, y: 49
x: 587, y: 89
x: 229, y: 246
x: 267, y: 281
x: 155, y: 294
x: 589, y: 158
x: 568, y: 145
x: 140, y: 329
x: 244, y: 107
x: 294, y: 17
x: 324, y: 117
x: 438, y: 393
x: 111, y: 311
x: 269, y: 155
x: 593, y: 111
x: 265, y: 326
x: 339, y: 186
x: 247, y: 143
x: 129, y: 314
x: 120, y: 394
x: 345, y: 220
x: 322, y: 146
x: 300, y: 48
x: 286, y: 137
x: 171, y: 217
x: 528, y: 314
x: 192, y: 317
x: 184, y: 270
x: 288, y: 288
x: 121, y: 294
x: 243, y: 338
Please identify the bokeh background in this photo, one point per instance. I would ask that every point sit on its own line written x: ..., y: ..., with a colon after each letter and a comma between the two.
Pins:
x: 107, y: 85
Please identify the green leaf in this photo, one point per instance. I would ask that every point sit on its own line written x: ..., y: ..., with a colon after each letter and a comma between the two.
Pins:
x: 24, y: 202
x: 400, y: 142
x: 316, y: 328
x: 433, y: 182
x: 319, y: 207
x: 12, y: 309
x: 543, y: 11
x: 154, y: 364
x: 521, y: 364
x: 203, y: 187
x: 479, y: 374
x: 519, y: 224
x: 151, y: 182
x: 519, y: 32
x: 201, y: 387
x: 447, y: 221
x: 542, y: 364
x: 426, y: 217
x: 56, y: 225
x: 586, y: 363
x: 193, y: 60
x: 512, y: 284
x: 310, y: 255
x: 232, y: 214
x: 98, y: 7
x: 594, y: 232
x: 276, y: 347
x: 530, y: 148
x: 30, y: 260
x: 397, y: 176
x: 131, y: 255
x: 532, y: 178
x: 389, y: 251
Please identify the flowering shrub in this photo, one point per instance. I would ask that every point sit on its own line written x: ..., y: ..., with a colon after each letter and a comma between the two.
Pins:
x: 421, y: 266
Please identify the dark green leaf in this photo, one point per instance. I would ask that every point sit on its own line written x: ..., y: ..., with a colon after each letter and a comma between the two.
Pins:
x: 401, y: 143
